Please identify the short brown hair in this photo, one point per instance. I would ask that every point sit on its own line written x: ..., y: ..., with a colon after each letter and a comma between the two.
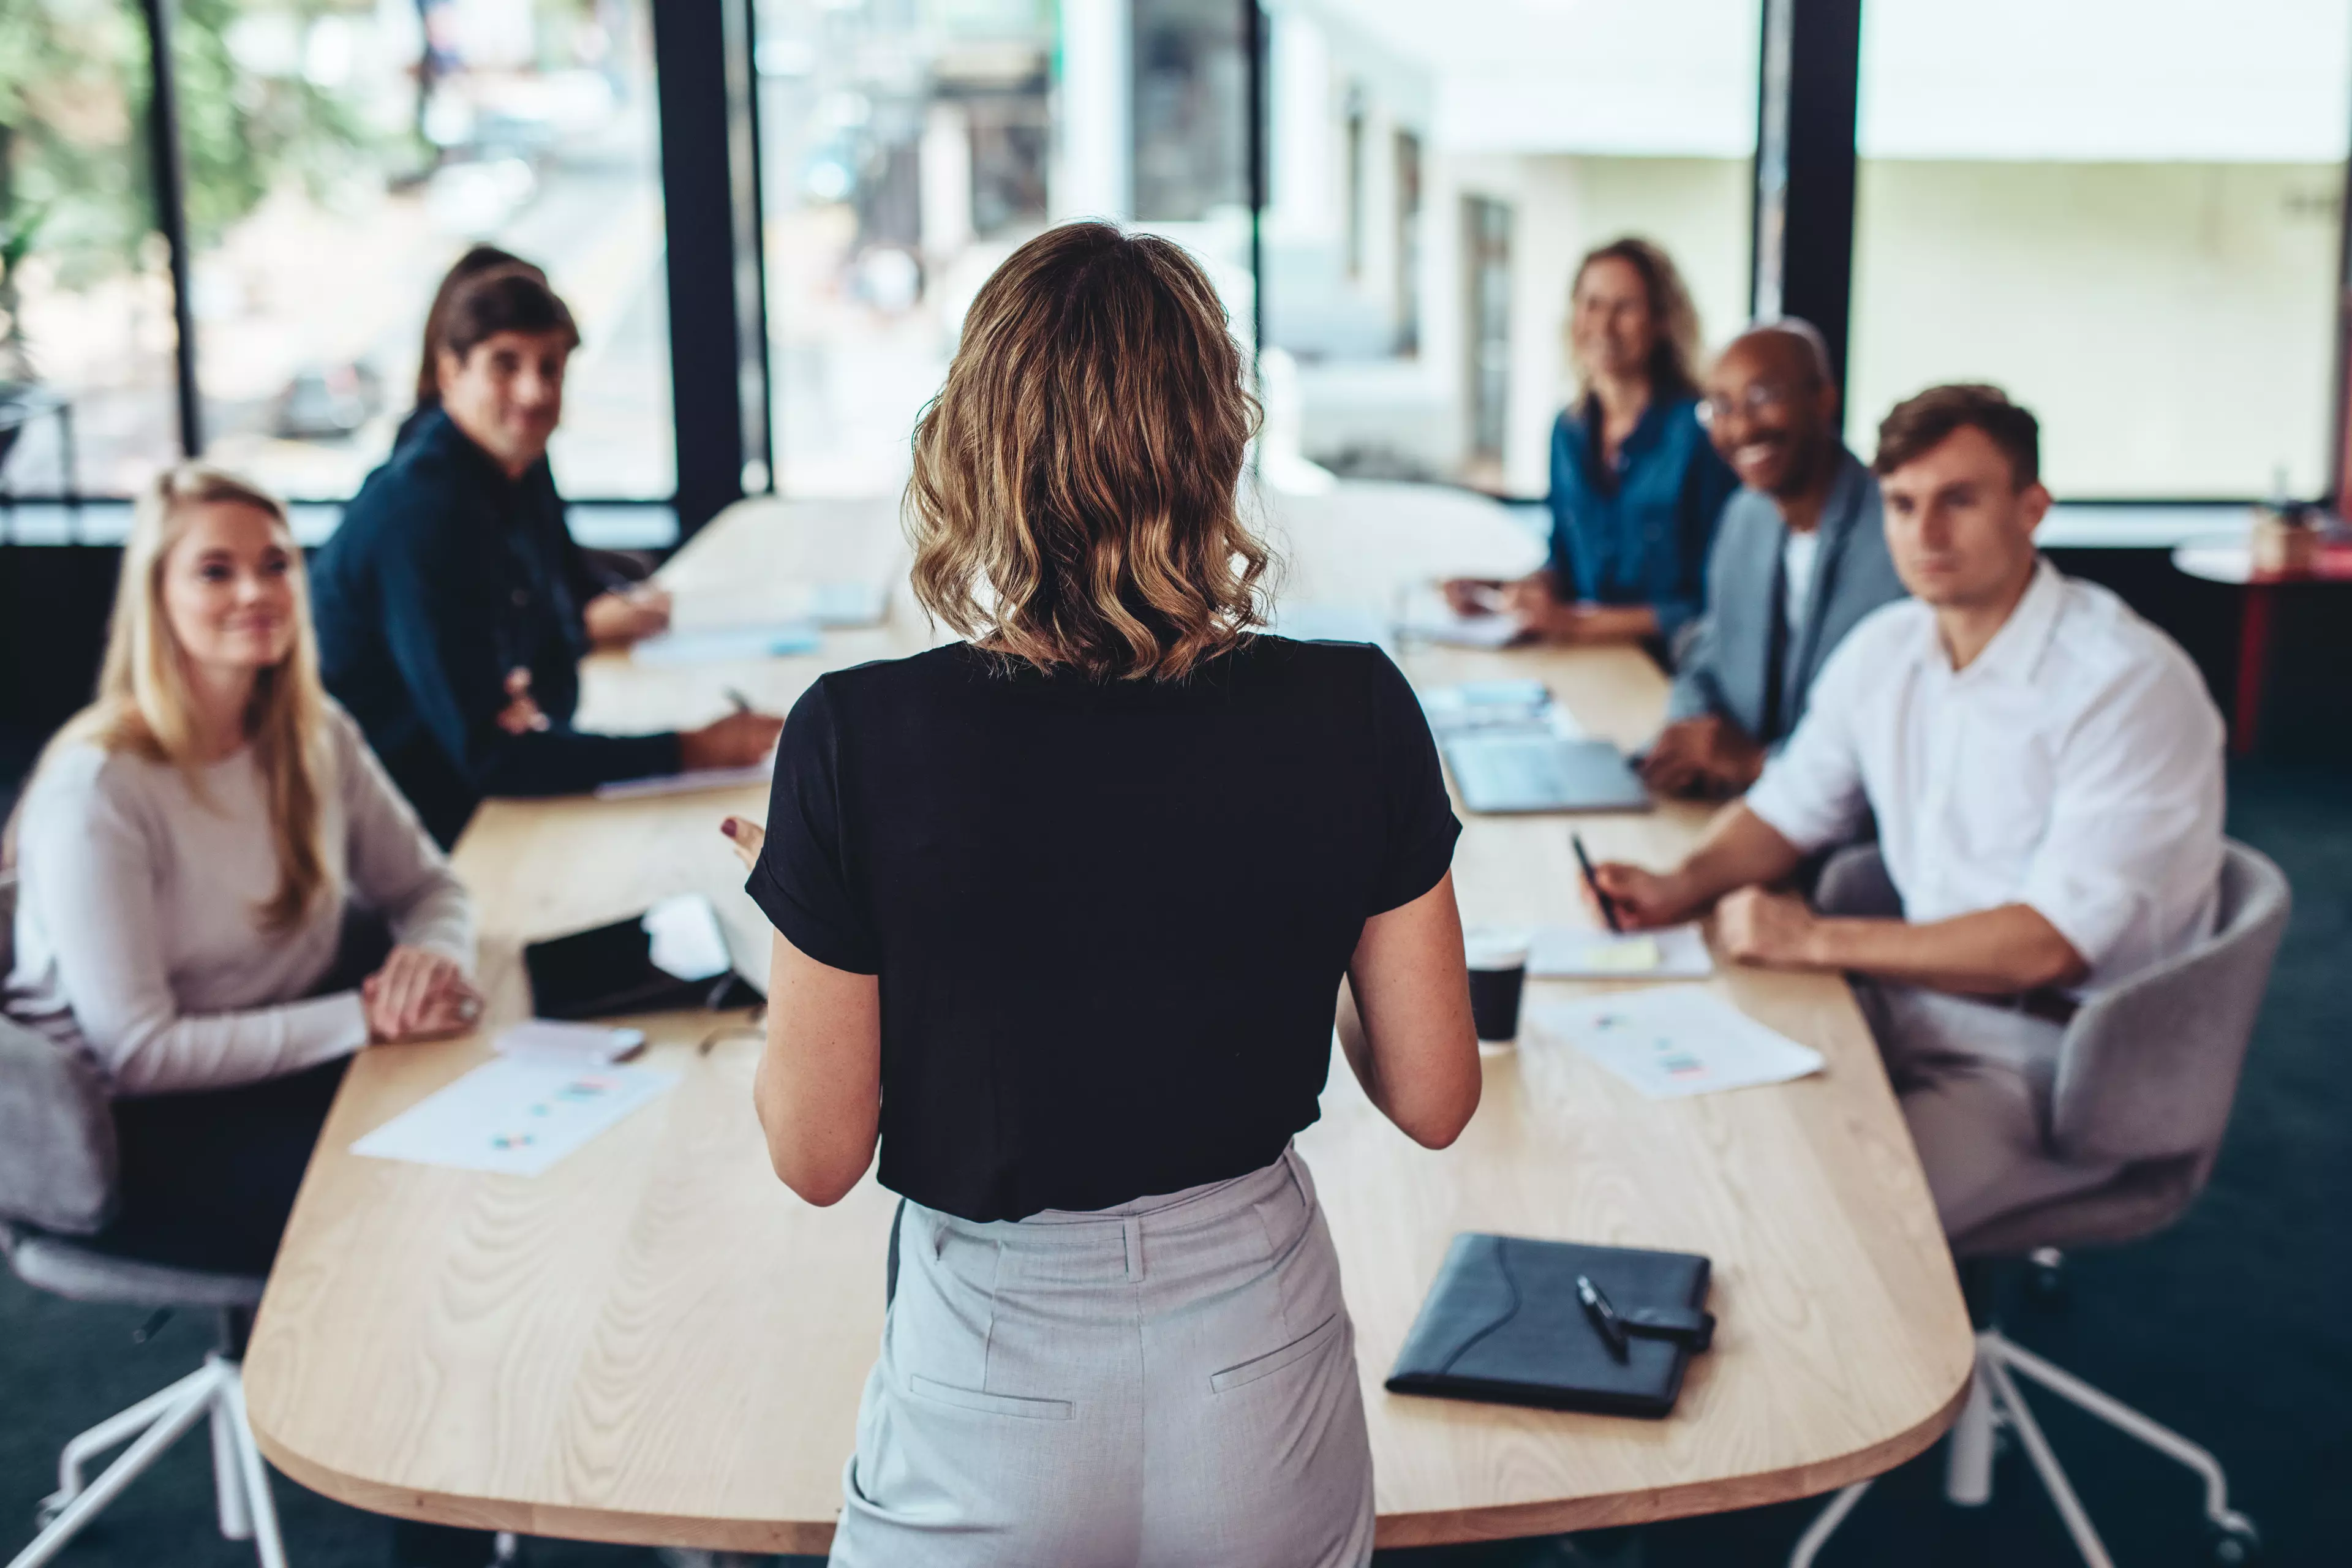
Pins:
x: 1673, y: 358
x: 504, y: 299
x: 1919, y: 424
x: 477, y: 260
x: 1074, y: 499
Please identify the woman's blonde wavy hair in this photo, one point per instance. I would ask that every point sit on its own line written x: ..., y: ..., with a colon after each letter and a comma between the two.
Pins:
x: 144, y: 704
x: 1074, y: 502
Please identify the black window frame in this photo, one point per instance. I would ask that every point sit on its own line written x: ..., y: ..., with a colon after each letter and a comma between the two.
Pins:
x: 1802, y: 188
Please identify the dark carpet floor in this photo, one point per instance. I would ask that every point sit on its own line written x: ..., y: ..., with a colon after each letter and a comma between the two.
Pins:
x: 2235, y: 1327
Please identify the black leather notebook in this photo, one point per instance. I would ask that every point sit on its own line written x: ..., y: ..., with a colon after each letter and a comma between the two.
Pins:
x: 1504, y: 1324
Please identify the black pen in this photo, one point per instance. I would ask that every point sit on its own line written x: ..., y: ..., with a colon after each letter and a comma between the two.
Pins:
x: 1608, y: 906
x: 1604, y: 1316
x: 743, y: 703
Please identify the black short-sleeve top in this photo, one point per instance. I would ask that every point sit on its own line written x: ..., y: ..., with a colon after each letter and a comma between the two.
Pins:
x: 1110, y: 919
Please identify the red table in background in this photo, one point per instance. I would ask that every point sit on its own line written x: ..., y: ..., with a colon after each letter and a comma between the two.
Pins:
x: 2232, y: 563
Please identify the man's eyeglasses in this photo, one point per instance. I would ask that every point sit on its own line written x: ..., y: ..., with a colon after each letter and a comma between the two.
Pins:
x: 1759, y: 395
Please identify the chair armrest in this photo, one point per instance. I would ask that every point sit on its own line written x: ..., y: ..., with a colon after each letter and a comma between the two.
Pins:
x: 1854, y: 883
x: 2149, y: 1067
x: 56, y: 1135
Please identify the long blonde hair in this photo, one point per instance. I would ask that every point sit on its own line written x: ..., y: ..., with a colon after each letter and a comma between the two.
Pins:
x: 1073, y: 502
x: 144, y: 705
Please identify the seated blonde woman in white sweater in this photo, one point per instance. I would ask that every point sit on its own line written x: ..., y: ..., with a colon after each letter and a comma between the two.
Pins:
x: 188, y: 850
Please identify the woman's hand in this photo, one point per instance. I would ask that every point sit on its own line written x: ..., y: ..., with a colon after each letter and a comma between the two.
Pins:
x: 746, y: 837
x: 418, y: 996
x: 521, y: 715
x: 626, y: 614
x: 1473, y: 596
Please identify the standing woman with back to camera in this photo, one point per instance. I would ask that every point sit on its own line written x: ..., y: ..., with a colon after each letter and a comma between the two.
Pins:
x: 1063, y: 912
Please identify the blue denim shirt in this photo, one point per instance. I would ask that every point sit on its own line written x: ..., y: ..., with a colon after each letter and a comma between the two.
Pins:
x: 1638, y: 536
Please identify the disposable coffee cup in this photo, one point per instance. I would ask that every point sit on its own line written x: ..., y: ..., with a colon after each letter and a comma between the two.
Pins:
x: 1498, y: 975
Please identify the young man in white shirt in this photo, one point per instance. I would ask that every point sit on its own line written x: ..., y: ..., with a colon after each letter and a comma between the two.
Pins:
x: 2045, y: 769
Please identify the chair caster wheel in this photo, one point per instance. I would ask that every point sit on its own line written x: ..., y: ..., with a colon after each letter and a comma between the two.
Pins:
x: 2234, y: 1541
x: 2045, y: 1276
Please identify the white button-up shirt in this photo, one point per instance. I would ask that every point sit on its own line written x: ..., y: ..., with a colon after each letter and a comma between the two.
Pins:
x: 2074, y: 766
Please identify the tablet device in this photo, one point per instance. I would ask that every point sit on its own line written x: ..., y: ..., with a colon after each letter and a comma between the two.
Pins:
x: 1532, y: 769
x: 673, y: 955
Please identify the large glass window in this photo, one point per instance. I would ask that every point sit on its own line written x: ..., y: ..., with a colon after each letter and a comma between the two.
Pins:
x: 2127, y: 213
x: 908, y: 146
x: 87, y: 376
x: 1437, y: 170
x: 341, y: 154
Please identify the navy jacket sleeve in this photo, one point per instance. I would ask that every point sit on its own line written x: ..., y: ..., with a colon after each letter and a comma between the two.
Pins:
x: 438, y: 589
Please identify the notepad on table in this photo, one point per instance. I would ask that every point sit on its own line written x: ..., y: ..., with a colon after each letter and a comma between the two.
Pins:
x: 1573, y: 953
x: 514, y: 1116
x: 1674, y: 1041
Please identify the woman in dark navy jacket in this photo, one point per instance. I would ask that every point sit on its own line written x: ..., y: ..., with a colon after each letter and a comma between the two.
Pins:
x: 1635, y: 487
x: 449, y: 623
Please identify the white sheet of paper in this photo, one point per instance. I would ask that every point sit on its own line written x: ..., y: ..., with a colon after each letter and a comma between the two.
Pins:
x: 514, y: 1116
x: 1428, y: 616
x: 1497, y: 705
x: 1574, y: 953
x: 1674, y: 1041
x: 562, y: 1044
x: 713, y: 644
x: 689, y: 783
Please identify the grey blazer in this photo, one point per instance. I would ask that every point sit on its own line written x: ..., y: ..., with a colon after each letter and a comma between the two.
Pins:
x: 1725, y: 662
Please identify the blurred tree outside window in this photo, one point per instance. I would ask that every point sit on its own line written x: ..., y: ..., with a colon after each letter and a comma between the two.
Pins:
x: 85, y: 295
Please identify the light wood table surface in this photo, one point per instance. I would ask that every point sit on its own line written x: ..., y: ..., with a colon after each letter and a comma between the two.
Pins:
x: 656, y: 1342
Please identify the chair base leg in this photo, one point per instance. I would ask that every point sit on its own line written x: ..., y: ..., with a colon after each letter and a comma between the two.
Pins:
x: 1994, y: 1403
x: 213, y: 1393
x: 1968, y: 1455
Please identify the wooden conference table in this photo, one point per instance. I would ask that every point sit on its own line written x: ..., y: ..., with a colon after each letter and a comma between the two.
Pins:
x: 655, y: 1341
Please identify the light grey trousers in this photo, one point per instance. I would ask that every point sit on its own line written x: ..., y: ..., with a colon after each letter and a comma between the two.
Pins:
x: 1170, y: 1383
x: 1975, y: 1080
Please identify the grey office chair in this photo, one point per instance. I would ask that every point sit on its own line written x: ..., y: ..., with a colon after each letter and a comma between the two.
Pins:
x: 2147, y: 1073
x: 57, y: 1195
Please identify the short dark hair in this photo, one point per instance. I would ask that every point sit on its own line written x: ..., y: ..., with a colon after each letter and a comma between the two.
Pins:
x: 504, y: 299
x: 1919, y: 424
